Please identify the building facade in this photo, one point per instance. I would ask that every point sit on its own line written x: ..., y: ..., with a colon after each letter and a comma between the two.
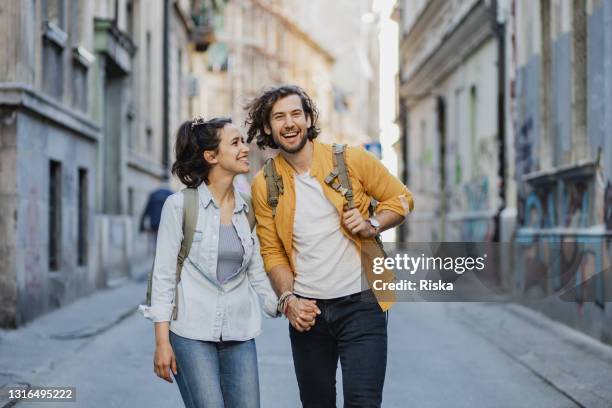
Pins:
x: 349, y: 30
x: 90, y: 94
x: 562, y: 112
x: 506, y: 106
x: 257, y: 45
x: 449, y: 90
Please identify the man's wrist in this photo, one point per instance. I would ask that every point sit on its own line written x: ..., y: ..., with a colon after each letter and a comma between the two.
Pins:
x: 288, y: 302
x: 283, y: 302
x: 375, y: 224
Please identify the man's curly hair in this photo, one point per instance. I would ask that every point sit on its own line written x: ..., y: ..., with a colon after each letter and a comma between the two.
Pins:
x: 258, y: 116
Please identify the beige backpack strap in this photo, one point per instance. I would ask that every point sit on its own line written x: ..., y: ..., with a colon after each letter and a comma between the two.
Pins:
x: 274, y: 184
x: 250, y: 213
x: 190, y: 220
x: 340, y: 171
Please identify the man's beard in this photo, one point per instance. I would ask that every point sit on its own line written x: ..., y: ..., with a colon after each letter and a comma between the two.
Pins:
x: 296, y: 148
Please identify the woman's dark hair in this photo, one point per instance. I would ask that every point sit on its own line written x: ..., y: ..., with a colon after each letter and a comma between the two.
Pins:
x: 258, y: 116
x: 192, y: 140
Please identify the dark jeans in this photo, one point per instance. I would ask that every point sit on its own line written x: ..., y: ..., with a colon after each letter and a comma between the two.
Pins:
x: 353, y: 330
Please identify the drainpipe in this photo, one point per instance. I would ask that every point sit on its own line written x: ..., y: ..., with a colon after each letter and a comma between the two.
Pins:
x: 403, y: 229
x: 165, y: 92
x: 500, y: 33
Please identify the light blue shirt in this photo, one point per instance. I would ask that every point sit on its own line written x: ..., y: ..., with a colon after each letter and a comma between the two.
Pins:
x: 207, y: 309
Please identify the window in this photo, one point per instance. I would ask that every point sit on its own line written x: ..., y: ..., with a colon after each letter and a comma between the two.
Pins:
x: 179, y: 102
x: 55, y: 214
x: 83, y: 204
x: 53, y: 11
x: 473, y: 128
x: 148, y: 79
x: 53, y: 72
x: 129, y: 16
x: 54, y: 42
x: 579, y: 81
x: 130, y: 194
x: 149, y: 139
x: 79, y: 86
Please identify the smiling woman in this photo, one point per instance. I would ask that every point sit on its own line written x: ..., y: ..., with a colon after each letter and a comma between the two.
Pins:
x: 207, y: 317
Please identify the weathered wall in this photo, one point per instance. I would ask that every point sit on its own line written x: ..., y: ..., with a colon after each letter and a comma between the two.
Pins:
x: 39, y: 289
x: 8, y: 216
x: 571, y: 202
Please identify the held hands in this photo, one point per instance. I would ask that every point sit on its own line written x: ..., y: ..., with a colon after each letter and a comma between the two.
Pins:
x: 302, y: 313
x: 353, y: 220
x: 164, y: 359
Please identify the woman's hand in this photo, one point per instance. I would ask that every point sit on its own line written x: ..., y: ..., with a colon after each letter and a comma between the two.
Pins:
x: 164, y: 359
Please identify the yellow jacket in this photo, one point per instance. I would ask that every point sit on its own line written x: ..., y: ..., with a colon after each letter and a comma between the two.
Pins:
x: 369, y: 178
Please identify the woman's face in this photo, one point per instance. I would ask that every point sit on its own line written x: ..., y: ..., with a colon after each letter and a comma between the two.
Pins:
x: 233, y: 154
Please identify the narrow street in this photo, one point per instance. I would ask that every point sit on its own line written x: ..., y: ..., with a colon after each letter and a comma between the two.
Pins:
x: 440, y: 355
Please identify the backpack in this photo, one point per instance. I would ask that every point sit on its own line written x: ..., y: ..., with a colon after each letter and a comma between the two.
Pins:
x: 274, y: 183
x: 190, y: 220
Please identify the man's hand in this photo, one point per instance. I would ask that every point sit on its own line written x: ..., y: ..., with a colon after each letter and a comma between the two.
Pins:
x: 353, y: 220
x: 302, y: 313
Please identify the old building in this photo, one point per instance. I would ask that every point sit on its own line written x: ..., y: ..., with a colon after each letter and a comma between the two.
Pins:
x: 562, y: 112
x: 90, y: 96
x: 257, y: 46
x: 349, y: 30
x: 449, y: 88
x: 49, y: 140
x: 506, y: 106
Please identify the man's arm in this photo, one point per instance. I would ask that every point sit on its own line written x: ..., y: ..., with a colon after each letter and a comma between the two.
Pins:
x: 281, y: 278
x: 300, y: 312
x: 394, y: 199
x: 353, y: 220
x: 380, y: 184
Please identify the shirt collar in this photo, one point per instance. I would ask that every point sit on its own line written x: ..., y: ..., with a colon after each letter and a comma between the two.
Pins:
x: 205, y: 195
x: 240, y: 204
x: 315, y: 166
x: 206, y: 198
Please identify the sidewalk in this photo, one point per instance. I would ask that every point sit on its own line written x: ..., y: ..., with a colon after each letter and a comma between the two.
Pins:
x: 36, y: 347
x: 575, y: 364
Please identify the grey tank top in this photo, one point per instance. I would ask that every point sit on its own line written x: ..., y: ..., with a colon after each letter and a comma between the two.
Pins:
x: 229, y: 258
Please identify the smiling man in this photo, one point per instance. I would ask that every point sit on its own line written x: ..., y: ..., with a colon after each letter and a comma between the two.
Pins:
x: 311, y: 247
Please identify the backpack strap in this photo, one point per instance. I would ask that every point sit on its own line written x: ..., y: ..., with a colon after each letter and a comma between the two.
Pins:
x: 274, y: 184
x: 190, y: 219
x: 250, y: 214
x: 340, y: 171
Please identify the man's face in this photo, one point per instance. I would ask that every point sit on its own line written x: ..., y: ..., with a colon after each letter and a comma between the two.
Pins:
x: 288, y: 124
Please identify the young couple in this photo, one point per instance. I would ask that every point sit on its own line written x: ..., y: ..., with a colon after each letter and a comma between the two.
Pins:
x: 309, y: 243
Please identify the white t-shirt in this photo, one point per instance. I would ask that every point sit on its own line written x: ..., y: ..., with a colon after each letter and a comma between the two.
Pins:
x: 328, y: 264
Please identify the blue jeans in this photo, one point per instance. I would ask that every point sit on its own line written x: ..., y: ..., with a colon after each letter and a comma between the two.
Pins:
x: 216, y: 375
x: 353, y: 330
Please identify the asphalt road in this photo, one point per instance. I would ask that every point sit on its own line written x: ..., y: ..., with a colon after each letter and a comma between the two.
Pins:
x: 437, y: 358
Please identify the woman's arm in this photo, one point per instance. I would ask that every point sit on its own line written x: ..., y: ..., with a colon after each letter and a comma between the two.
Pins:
x: 169, y: 239
x: 164, y: 356
x: 259, y: 280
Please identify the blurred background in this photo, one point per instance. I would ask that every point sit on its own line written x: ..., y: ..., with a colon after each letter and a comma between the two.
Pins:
x: 495, y: 113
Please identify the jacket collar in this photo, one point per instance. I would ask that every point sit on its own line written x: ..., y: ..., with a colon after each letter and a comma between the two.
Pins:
x: 315, y: 167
